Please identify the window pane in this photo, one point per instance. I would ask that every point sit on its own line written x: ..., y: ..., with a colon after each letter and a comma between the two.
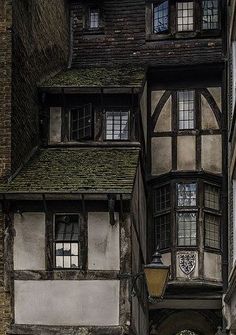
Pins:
x: 117, y: 125
x: 212, y: 231
x: 94, y: 18
x: 185, y: 16
x: 186, y: 195
x: 187, y: 230
x: 186, y: 109
x: 210, y: 16
x: 160, y: 17
x: 81, y: 123
x: 212, y: 197
x: 162, y: 231
x: 162, y: 198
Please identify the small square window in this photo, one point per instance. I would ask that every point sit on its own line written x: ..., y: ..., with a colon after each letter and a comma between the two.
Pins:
x: 117, y: 124
x: 212, y: 231
x: 94, y: 18
x: 186, y: 195
x: 186, y: 109
x: 67, y: 241
x: 185, y: 16
x: 187, y: 229
x: 160, y: 17
x: 210, y: 14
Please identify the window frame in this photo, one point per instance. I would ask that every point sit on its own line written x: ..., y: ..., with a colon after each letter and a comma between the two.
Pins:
x: 91, y: 137
x: 82, y: 249
x: 195, y: 110
x: 214, y: 30
x: 87, y: 30
x: 158, y: 3
x: 113, y: 109
x: 194, y: 18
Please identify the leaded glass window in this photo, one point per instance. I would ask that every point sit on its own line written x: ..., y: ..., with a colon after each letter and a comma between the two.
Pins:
x: 94, y: 18
x: 162, y: 231
x: 117, y: 124
x: 185, y: 15
x: 186, y: 194
x: 210, y: 14
x: 212, y: 231
x: 212, y: 197
x: 162, y: 198
x: 67, y: 241
x: 160, y: 17
x: 186, y: 109
x: 81, y: 123
x: 187, y: 228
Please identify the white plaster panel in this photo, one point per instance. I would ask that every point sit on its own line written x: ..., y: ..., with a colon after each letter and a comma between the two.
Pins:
x: 212, y: 153
x: 216, y: 93
x: 180, y: 273
x: 55, y: 124
x: 161, y: 155
x: 212, y: 266
x: 29, y: 241
x: 164, y: 120
x: 143, y: 108
x: 103, y: 242
x: 208, y: 117
x: 155, y: 96
x: 64, y: 302
x: 186, y: 152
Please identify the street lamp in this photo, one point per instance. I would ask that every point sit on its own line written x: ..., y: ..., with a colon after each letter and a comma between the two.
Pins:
x: 156, y: 275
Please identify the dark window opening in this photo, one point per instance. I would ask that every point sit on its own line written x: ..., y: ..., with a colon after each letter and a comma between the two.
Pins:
x: 81, y: 123
x: 67, y: 241
x: 185, y: 16
x: 212, y: 231
x: 160, y: 17
x: 210, y: 14
x: 212, y: 197
x: 117, y: 124
x: 94, y: 18
x: 162, y: 231
x: 186, y: 109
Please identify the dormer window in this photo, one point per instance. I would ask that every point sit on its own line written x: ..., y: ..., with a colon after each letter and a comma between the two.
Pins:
x: 210, y: 14
x: 81, y: 123
x: 160, y: 17
x: 94, y: 18
x: 117, y: 124
x: 185, y: 16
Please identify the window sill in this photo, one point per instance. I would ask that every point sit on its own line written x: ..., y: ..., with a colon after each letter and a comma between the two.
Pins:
x: 182, y: 35
x: 93, y: 31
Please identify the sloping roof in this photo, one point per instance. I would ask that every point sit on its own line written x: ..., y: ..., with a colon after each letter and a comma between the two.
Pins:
x: 98, y: 77
x: 75, y: 170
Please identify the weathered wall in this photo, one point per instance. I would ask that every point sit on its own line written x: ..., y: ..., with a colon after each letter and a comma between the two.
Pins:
x: 124, y: 39
x: 5, y: 141
x: 40, y: 46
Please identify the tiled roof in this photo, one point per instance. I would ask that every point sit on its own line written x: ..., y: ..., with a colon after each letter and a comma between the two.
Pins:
x: 75, y: 170
x: 98, y: 77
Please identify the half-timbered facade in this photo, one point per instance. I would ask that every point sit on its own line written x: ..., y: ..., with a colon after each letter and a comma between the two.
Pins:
x: 130, y: 153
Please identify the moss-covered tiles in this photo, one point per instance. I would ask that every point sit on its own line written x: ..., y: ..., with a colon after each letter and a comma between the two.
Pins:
x: 98, y: 77
x: 95, y: 170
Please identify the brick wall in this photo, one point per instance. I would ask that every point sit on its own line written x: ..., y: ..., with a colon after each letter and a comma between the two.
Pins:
x: 40, y: 47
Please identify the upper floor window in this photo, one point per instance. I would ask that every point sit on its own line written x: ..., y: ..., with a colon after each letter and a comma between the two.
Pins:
x: 160, y: 17
x: 94, y: 18
x: 210, y: 14
x: 186, y: 109
x: 81, y: 123
x: 117, y: 124
x: 185, y: 16
x: 67, y: 241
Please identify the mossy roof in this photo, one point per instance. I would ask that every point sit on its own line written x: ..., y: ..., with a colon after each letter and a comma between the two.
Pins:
x: 75, y: 170
x: 97, y: 77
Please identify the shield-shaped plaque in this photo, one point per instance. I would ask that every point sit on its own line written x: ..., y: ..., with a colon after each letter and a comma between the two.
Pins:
x: 187, y: 262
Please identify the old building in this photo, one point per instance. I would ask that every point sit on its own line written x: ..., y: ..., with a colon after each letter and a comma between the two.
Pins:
x: 114, y: 141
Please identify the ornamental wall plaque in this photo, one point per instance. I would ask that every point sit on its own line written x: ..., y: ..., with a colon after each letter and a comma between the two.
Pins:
x: 187, y: 262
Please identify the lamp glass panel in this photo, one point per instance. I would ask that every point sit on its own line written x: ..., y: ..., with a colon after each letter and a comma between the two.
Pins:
x: 156, y: 280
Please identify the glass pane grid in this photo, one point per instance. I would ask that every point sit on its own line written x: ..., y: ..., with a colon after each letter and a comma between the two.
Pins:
x: 162, y: 231
x: 185, y: 16
x: 186, y: 195
x: 212, y: 231
x: 117, y: 125
x: 187, y: 229
x: 67, y: 244
x: 94, y: 18
x: 186, y: 109
x: 210, y: 16
x: 160, y: 17
x: 162, y: 198
x: 81, y: 123
x: 212, y: 197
